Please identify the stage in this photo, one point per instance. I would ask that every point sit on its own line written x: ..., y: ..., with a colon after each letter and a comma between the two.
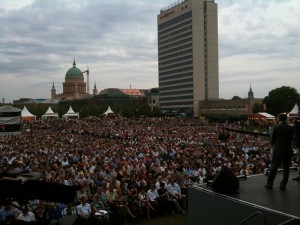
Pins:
x: 208, y: 207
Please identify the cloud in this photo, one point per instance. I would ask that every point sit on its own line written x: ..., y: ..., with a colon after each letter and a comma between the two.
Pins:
x: 260, y: 70
x: 258, y: 44
x: 259, y: 27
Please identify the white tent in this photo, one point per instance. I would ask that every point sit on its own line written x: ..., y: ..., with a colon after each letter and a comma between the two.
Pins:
x: 109, y: 112
x: 294, y: 112
x: 50, y: 114
x: 261, y: 115
x: 70, y: 114
x: 26, y: 115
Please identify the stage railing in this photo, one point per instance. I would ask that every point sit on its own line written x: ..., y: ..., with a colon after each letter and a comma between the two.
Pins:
x: 291, y: 222
x: 257, y: 213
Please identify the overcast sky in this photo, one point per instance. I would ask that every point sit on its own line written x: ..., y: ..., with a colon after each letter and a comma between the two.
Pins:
x: 259, y: 44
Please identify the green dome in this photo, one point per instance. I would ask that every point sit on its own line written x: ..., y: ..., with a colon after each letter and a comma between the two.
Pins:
x: 74, y: 71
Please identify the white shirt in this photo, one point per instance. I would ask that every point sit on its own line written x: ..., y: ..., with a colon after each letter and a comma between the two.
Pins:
x: 203, y: 170
x: 84, y: 210
x: 152, y: 194
x: 174, y: 188
x: 201, y: 179
x: 29, y: 217
x: 157, y: 184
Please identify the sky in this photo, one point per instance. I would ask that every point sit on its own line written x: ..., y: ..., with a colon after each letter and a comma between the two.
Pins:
x: 259, y: 45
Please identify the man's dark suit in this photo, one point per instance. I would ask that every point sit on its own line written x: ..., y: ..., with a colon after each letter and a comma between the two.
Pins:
x: 281, y: 140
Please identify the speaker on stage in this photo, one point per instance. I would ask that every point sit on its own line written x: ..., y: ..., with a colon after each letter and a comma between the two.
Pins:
x: 225, y: 182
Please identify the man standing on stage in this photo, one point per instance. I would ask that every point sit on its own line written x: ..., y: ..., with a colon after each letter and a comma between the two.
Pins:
x: 297, y: 144
x: 281, y: 140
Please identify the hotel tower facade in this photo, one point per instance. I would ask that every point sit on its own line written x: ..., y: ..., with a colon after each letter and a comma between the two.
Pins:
x: 188, y: 55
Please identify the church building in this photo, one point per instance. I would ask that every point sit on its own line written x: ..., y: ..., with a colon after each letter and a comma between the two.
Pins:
x: 74, y: 86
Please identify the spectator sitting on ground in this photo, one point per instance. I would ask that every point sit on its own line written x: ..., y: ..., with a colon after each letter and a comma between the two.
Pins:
x: 26, y: 215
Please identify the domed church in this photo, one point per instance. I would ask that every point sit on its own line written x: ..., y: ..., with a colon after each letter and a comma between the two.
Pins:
x: 74, y: 86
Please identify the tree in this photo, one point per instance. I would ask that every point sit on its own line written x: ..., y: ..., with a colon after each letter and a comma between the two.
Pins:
x: 37, y: 109
x: 236, y: 97
x: 156, y: 111
x: 257, y: 108
x: 281, y: 100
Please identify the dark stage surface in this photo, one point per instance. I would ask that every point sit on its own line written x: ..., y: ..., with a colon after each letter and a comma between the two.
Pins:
x: 252, y: 190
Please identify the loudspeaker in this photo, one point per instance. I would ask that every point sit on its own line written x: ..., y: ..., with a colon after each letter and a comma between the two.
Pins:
x: 225, y: 182
x: 53, y: 192
x: 12, y: 188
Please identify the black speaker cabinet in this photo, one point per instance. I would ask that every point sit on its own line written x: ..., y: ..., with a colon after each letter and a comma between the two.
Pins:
x: 225, y: 182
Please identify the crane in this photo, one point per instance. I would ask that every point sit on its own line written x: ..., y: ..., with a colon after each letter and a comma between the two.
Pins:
x: 87, y: 71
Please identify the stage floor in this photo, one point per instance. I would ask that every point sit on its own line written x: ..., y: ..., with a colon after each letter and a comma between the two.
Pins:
x: 252, y: 190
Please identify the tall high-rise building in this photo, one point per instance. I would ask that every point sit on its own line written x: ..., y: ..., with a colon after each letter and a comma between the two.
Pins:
x: 188, y: 55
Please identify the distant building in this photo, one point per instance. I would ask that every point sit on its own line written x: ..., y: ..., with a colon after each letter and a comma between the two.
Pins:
x: 232, y: 107
x: 250, y: 93
x: 26, y: 101
x: 115, y: 95
x: 111, y: 96
x: 136, y: 93
x: 74, y: 86
x: 224, y: 108
x: 95, y: 90
x: 76, y: 91
x: 153, y: 97
x: 188, y: 55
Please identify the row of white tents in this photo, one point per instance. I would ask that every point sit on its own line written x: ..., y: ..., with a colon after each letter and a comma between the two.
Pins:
x: 27, y: 116
x: 70, y: 114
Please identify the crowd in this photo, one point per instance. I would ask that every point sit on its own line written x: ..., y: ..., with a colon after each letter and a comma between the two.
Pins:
x: 126, y: 168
